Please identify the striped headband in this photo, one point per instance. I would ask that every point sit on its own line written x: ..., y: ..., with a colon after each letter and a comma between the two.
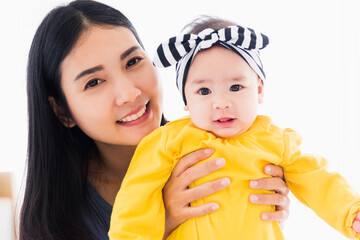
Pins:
x: 182, y: 49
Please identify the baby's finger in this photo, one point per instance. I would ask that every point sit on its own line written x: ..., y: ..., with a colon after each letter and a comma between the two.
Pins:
x: 272, y: 183
x: 206, y: 189
x: 356, y: 226
x: 274, y: 170
x: 190, y: 159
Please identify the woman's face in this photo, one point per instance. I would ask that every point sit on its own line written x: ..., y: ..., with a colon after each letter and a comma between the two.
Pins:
x: 111, y: 86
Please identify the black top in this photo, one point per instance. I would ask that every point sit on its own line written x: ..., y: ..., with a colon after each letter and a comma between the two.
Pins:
x: 97, y: 216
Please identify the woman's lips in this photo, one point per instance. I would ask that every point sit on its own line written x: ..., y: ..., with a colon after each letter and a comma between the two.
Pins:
x: 134, y: 116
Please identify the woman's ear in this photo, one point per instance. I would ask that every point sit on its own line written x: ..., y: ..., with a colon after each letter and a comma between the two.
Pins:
x: 61, y: 114
x: 260, y: 91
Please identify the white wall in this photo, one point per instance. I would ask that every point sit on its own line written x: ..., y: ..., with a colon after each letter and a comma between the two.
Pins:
x: 312, y: 66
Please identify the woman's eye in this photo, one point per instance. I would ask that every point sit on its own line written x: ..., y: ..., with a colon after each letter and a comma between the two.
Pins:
x: 133, y: 61
x: 204, y: 91
x: 92, y: 83
x: 235, y: 88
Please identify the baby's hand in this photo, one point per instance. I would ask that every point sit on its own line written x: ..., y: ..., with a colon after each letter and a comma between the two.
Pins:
x: 356, y: 223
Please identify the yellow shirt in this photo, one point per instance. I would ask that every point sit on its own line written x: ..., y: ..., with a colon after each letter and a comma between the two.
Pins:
x: 139, y: 213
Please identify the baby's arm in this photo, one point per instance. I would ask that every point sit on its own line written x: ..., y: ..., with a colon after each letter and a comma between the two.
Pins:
x: 328, y: 194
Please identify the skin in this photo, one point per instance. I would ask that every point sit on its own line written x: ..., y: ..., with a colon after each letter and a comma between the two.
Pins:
x: 108, y: 77
x: 356, y: 223
x: 222, y: 98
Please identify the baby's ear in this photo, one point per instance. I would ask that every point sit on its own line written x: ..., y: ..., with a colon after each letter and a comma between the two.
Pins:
x: 61, y: 114
x: 260, y: 91
x: 186, y: 108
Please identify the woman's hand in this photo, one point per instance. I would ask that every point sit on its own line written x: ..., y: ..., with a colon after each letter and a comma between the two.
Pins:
x: 356, y: 223
x: 279, y: 198
x: 177, y: 196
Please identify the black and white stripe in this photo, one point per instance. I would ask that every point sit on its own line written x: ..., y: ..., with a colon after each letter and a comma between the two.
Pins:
x: 172, y: 51
x: 182, y: 49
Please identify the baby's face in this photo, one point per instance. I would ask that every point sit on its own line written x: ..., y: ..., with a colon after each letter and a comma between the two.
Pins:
x: 222, y: 92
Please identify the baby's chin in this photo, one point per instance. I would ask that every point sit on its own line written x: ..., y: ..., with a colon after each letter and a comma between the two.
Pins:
x: 228, y: 132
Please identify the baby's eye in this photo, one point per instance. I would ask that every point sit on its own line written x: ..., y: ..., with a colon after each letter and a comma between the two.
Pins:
x: 133, y: 61
x: 204, y: 91
x: 235, y: 88
x: 92, y: 83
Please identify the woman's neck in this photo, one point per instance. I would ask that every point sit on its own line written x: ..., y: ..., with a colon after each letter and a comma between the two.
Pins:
x: 107, y: 173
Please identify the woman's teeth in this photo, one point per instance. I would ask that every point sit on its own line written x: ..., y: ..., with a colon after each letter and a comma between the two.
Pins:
x: 133, y: 116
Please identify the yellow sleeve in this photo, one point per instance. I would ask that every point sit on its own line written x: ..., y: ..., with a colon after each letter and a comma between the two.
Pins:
x: 328, y: 194
x: 138, y: 211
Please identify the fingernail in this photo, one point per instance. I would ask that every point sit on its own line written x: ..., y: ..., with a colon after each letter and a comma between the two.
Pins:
x: 225, y: 182
x: 268, y: 169
x: 253, y: 198
x: 265, y: 216
x: 253, y: 184
x: 220, y: 162
x: 215, y: 206
x: 208, y: 151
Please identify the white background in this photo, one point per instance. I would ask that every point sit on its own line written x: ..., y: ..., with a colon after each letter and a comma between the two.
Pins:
x: 312, y: 67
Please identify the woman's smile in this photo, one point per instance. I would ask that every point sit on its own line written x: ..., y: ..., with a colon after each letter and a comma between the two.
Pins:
x: 137, y: 115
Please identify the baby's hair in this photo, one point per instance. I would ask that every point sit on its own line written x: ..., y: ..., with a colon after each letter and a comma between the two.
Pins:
x: 205, y: 21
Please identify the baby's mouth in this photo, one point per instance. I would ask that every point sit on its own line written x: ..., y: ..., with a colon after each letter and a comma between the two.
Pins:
x: 133, y: 117
x: 221, y: 120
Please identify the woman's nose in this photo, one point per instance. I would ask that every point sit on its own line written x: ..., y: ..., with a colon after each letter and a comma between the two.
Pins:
x: 126, y: 92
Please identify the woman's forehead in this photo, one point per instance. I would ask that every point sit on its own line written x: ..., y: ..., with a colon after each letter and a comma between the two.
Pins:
x: 96, y: 46
x: 102, y: 34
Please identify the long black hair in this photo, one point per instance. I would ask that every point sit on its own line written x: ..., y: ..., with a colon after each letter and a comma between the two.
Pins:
x: 56, y: 181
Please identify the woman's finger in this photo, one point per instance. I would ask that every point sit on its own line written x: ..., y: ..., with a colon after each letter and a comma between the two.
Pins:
x: 207, y: 208
x: 279, y: 216
x: 206, y: 189
x: 271, y: 183
x: 190, y: 159
x: 281, y: 202
x: 274, y: 171
x: 201, y: 170
x: 269, y: 199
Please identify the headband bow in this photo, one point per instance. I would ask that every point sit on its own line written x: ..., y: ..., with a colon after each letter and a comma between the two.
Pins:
x: 182, y: 49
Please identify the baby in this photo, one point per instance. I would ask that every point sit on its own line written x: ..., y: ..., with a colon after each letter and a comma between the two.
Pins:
x: 221, y: 79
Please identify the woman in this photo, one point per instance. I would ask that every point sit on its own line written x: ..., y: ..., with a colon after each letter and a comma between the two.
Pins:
x: 93, y: 94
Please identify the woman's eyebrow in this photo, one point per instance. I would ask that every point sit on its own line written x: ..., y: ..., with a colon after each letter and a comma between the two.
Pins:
x: 99, y: 68
x: 128, y: 52
x: 89, y: 71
